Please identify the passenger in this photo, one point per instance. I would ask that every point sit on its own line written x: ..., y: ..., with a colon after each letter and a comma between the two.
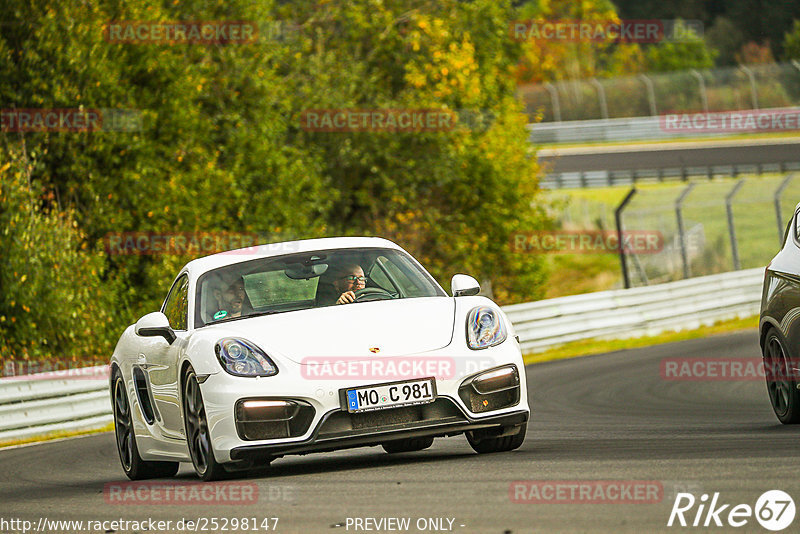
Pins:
x: 229, y: 295
x: 234, y: 297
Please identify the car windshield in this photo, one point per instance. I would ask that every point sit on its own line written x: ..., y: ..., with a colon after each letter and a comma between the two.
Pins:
x: 309, y: 280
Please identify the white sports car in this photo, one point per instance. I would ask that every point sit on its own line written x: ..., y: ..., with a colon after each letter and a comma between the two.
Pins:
x: 309, y: 346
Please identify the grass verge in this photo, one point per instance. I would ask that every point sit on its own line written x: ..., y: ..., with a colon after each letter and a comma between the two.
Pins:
x: 56, y: 435
x: 598, y: 346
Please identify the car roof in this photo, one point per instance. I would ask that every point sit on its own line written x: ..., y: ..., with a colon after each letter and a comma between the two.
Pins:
x: 199, y: 266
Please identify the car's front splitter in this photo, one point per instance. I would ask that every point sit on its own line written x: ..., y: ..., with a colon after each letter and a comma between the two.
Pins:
x: 374, y: 436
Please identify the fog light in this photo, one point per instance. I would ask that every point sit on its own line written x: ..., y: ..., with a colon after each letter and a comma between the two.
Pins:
x: 258, y: 419
x: 268, y: 410
x: 496, y: 380
x: 491, y: 390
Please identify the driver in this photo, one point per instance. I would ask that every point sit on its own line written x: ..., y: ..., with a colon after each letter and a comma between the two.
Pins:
x: 349, y: 279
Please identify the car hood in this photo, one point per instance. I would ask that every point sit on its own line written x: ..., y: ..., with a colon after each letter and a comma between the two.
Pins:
x: 395, y: 327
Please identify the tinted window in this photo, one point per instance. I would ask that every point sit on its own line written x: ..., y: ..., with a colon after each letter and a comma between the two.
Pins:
x: 177, y: 306
x: 797, y: 226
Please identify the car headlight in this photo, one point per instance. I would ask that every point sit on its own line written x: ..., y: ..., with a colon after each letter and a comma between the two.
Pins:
x: 485, y: 328
x: 243, y: 358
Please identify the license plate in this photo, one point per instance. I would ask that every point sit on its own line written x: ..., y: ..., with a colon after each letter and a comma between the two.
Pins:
x: 391, y: 395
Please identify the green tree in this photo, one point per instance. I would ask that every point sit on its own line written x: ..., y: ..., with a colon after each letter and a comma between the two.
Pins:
x: 689, y: 53
x: 791, y: 42
x: 53, y: 303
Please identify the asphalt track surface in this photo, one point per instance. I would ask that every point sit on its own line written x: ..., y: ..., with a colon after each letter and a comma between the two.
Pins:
x: 669, y: 155
x: 605, y: 417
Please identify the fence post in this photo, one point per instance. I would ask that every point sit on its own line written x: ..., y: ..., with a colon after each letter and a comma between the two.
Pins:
x: 753, y: 92
x: 620, y: 241
x: 731, y: 228
x: 681, y: 230
x: 651, y: 94
x: 601, y: 96
x: 554, y: 99
x: 777, y: 199
x: 702, y: 83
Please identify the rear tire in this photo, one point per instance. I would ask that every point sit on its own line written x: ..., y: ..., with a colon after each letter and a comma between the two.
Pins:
x: 135, y: 468
x: 198, y: 437
x: 781, y: 384
x: 407, y: 445
x: 482, y: 442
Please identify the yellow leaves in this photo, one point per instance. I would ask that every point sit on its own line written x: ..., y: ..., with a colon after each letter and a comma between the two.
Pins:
x: 5, y: 167
x: 24, y: 277
x: 149, y: 214
x: 27, y: 309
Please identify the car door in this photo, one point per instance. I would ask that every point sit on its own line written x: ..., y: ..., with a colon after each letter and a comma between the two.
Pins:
x: 162, y: 361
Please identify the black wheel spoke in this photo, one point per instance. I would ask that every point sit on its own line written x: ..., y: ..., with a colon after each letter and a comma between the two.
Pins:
x: 778, y: 371
x: 196, y: 425
x: 122, y: 424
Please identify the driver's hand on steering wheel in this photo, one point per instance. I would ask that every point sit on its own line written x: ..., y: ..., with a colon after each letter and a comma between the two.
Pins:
x: 346, y: 298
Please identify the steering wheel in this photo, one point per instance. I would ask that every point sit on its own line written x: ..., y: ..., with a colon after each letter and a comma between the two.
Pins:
x: 372, y: 293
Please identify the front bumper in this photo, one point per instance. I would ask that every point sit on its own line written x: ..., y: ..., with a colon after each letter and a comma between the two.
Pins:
x: 375, y: 436
x: 333, y: 427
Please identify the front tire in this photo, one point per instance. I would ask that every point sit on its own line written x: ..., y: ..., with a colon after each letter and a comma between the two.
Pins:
x: 482, y: 442
x: 198, y: 438
x: 781, y: 385
x: 407, y: 445
x: 135, y: 468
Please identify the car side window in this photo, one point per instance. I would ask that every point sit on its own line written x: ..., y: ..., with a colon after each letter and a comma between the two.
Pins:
x: 177, y: 306
x: 797, y: 226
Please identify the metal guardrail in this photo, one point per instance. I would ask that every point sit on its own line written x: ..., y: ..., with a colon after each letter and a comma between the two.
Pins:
x: 38, y: 405
x: 31, y: 407
x: 624, y: 313
x: 606, y: 130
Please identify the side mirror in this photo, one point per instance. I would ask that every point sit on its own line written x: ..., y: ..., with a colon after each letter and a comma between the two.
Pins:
x: 155, y: 324
x: 462, y: 285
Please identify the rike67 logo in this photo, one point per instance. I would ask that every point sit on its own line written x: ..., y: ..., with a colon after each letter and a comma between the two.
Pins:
x: 774, y: 510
